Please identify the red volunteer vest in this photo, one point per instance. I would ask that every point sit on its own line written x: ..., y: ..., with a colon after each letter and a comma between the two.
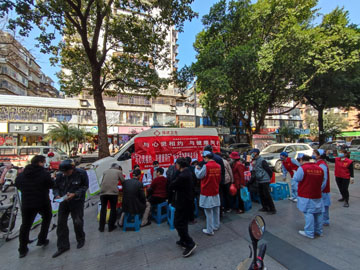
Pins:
x: 327, y: 188
x: 342, y: 168
x: 289, y: 166
x: 310, y: 186
x: 210, y: 184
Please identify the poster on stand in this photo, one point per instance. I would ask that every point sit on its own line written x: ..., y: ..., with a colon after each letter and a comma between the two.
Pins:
x: 94, y: 187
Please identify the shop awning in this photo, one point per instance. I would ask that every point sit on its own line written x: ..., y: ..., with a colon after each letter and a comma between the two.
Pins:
x: 350, y: 134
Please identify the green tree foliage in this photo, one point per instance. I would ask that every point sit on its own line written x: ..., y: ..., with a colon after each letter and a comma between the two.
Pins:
x: 334, y: 124
x: 107, y: 45
x: 289, y: 133
x: 248, y: 55
x: 330, y: 75
x: 65, y: 134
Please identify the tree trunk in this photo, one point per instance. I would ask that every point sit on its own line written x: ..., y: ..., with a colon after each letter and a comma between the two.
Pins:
x: 321, y: 126
x: 101, y: 116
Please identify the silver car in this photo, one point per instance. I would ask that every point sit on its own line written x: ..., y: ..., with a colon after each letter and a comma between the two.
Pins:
x: 272, y: 153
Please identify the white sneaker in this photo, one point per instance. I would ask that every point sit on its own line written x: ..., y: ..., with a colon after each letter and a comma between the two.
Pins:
x: 294, y: 200
x: 304, y: 234
x: 208, y: 233
x: 291, y: 198
x: 216, y: 229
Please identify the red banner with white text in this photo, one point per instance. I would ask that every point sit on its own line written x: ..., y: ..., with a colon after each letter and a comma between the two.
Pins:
x: 165, y: 149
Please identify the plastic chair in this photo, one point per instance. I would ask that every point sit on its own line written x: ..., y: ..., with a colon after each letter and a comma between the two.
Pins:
x: 276, y: 192
x: 171, y: 216
x: 196, y: 210
x: 285, y: 189
x: 131, y: 221
x: 158, y: 214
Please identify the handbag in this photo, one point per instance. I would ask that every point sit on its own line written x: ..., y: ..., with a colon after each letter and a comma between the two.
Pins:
x: 232, y: 189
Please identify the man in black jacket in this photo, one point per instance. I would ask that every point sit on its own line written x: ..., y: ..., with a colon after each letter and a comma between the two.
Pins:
x: 34, y: 184
x: 183, y: 201
x: 134, y: 200
x: 70, y: 186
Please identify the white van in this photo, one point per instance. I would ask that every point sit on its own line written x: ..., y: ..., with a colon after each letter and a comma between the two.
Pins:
x: 161, y: 144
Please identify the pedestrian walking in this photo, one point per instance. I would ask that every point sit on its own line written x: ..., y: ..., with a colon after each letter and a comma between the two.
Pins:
x: 210, y: 176
x: 34, y: 183
x: 109, y: 193
x: 70, y: 188
x: 263, y: 174
x: 182, y: 186
x: 238, y: 170
x: 344, y: 175
x: 320, y: 156
x: 310, y: 178
x: 290, y: 165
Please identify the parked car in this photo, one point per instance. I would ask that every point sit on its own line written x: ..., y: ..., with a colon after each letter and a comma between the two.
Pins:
x: 333, y: 146
x: 237, y: 147
x: 272, y: 153
x: 354, y: 145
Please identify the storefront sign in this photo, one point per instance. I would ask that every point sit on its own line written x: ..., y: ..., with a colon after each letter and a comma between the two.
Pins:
x: 3, y: 127
x: 23, y: 128
x: 187, y: 124
x: 112, y: 130
x: 132, y: 130
x: 165, y: 149
x: 8, y: 140
x: 91, y: 129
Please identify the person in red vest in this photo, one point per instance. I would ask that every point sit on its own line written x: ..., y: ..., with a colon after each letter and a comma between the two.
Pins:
x: 319, y: 156
x: 238, y: 170
x: 290, y: 165
x: 210, y: 176
x: 310, y: 178
x: 344, y: 174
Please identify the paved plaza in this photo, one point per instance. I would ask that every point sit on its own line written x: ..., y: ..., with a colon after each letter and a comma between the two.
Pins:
x: 154, y: 246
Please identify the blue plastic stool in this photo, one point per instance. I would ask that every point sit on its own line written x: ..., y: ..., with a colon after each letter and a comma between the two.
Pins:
x: 171, y: 216
x: 285, y: 189
x: 247, y: 205
x: 276, y: 192
x: 131, y: 221
x: 196, y: 210
x: 158, y: 214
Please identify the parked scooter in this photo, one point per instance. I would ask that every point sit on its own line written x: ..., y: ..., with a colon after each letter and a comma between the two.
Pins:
x: 8, y: 213
x: 10, y: 177
x: 256, y: 231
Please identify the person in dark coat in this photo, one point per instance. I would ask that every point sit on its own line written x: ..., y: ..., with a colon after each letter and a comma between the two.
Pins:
x: 70, y: 188
x: 34, y: 184
x: 134, y: 201
x: 183, y: 203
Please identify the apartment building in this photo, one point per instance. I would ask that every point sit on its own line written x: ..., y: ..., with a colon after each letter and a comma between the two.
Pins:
x: 19, y: 73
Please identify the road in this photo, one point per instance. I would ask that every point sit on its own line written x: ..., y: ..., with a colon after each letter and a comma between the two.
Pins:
x: 154, y: 246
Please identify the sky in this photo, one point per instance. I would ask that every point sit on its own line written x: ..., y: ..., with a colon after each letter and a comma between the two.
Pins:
x: 186, y: 39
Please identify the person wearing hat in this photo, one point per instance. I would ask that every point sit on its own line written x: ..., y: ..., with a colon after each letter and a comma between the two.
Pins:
x: 210, y: 176
x: 290, y: 165
x: 109, y: 193
x: 320, y: 156
x: 263, y: 174
x: 311, y: 179
x: 238, y: 170
x: 70, y: 188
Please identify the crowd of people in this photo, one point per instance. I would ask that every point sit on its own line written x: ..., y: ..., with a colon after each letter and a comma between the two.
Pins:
x: 185, y: 183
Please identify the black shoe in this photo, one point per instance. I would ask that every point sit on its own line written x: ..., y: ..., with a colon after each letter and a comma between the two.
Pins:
x: 23, y: 253
x: 181, y: 244
x: 188, y: 251
x: 341, y: 200
x: 45, y: 243
x: 346, y: 204
x: 101, y: 230
x: 59, y: 252
x: 80, y: 244
x: 148, y: 223
x: 271, y: 212
x: 112, y: 228
x: 263, y: 210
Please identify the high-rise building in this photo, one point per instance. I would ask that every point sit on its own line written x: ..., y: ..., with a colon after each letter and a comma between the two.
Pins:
x: 19, y: 72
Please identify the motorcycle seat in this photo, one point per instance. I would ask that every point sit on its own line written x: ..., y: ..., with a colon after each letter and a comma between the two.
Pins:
x: 5, y: 207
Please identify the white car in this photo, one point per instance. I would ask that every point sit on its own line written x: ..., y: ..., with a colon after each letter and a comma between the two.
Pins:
x: 272, y: 153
